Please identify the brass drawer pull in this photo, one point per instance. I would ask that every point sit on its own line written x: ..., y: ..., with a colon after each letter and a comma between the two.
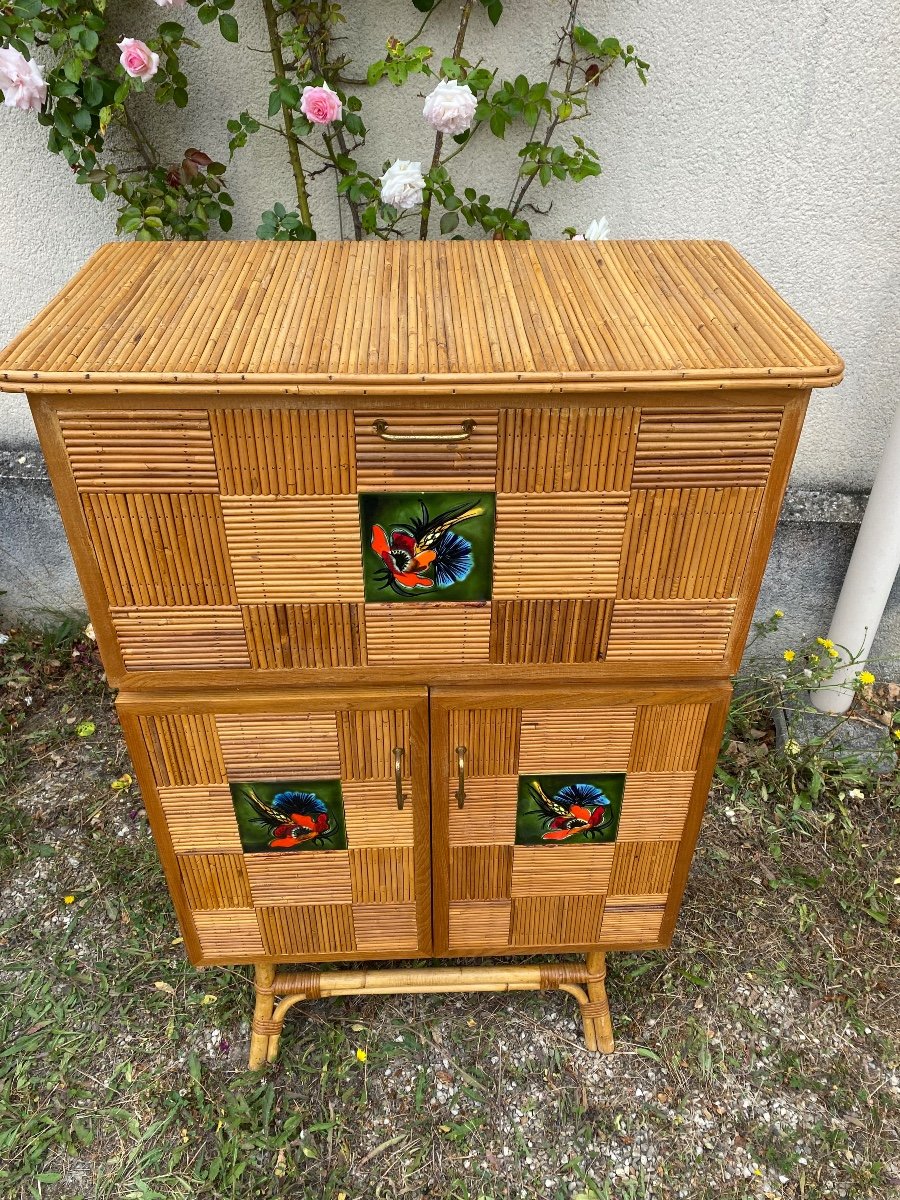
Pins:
x: 398, y: 776
x: 381, y: 428
x: 461, y: 767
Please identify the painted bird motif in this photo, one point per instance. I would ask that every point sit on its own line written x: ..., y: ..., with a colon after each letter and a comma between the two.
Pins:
x: 292, y: 818
x: 575, y: 808
x: 425, y: 552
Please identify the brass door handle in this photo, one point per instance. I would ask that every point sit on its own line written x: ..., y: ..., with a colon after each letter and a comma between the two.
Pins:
x: 461, y: 769
x: 380, y: 427
x: 398, y: 776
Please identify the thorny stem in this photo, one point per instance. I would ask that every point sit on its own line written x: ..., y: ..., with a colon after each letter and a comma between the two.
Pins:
x: 337, y: 134
x: 523, y: 184
x: 464, y: 15
x: 293, y: 147
x: 143, y: 146
x: 415, y: 37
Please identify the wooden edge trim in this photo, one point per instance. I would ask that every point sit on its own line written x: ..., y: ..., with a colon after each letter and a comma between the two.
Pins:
x: 270, y: 700
x: 764, y: 531
x: 488, y: 396
x: 503, y: 675
x: 405, y: 385
x: 420, y: 749
x: 439, y: 721
x: 610, y: 693
x: 712, y: 740
x: 141, y: 761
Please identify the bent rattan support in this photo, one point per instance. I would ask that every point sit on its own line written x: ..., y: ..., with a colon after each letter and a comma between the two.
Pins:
x: 584, y: 981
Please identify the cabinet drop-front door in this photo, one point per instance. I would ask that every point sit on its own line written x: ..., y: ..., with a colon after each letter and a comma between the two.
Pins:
x: 292, y: 826
x: 566, y: 819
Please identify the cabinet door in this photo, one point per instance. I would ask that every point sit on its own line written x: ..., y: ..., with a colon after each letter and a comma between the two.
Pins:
x: 279, y: 823
x: 566, y: 820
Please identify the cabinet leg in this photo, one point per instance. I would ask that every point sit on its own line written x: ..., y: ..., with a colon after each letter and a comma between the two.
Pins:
x: 261, y: 1029
x: 598, y: 1030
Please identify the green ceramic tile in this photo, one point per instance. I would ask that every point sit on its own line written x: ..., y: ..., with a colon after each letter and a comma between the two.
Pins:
x: 568, y: 809
x: 421, y: 546
x: 290, y: 815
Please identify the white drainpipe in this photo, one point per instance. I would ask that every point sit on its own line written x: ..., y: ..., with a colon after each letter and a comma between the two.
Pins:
x: 870, y: 576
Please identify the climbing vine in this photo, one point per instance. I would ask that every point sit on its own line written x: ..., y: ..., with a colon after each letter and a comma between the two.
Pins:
x: 60, y: 61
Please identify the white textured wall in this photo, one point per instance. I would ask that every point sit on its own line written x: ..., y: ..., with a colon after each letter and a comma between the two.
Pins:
x: 772, y: 124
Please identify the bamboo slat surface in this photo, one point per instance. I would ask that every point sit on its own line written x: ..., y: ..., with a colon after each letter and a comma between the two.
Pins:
x: 235, y: 314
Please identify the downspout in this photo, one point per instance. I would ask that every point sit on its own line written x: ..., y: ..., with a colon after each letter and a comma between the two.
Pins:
x: 870, y: 576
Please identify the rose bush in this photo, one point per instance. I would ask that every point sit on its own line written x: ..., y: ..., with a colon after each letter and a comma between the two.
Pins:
x: 58, y: 60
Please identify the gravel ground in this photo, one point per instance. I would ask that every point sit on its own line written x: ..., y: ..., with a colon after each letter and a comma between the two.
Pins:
x: 755, y: 1058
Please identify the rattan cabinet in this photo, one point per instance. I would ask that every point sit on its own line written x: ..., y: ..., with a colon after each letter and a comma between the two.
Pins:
x: 421, y: 570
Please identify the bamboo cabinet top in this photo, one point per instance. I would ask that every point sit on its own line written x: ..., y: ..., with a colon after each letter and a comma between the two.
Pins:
x: 222, y: 317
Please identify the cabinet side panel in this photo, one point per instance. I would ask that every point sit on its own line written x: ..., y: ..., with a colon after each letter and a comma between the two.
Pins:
x: 86, y: 565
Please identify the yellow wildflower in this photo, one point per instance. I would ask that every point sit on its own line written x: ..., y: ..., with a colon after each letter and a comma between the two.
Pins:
x: 361, y: 1055
x: 789, y: 656
x: 866, y: 677
x: 826, y: 642
x: 832, y: 653
x: 778, y: 613
x: 68, y: 899
x: 814, y: 658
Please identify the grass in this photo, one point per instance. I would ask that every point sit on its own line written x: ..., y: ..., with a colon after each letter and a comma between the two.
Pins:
x: 756, y: 1058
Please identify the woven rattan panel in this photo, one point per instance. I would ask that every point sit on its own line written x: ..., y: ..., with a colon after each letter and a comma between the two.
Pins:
x: 573, y: 820
x: 276, y: 538
x: 283, y: 831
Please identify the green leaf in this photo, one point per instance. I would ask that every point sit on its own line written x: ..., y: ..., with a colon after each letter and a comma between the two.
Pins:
x: 207, y: 13
x: 646, y: 1052
x: 82, y: 119
x: 93, y: 91
x: 498, y: 123
x: 495, y: 11
x: 228, y: 27
x: 73, y: 68
x: 449, y: 222
x: 89, y: 40
x: 274, y: 104
x: 353, y: 124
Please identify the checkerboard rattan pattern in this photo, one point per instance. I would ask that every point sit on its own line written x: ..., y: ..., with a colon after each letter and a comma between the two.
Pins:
x: 230, y: 537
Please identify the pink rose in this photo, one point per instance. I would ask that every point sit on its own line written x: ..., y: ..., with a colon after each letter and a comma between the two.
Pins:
x: 321, y: 105
x: 139, y: 61
x: 21, y: 81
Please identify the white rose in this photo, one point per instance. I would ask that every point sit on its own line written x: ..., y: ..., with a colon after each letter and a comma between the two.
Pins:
x: 402, y: 184
x: 597, y: 231
x: 450, y: 107
x: 21, y: 81
x: 170, y: 3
